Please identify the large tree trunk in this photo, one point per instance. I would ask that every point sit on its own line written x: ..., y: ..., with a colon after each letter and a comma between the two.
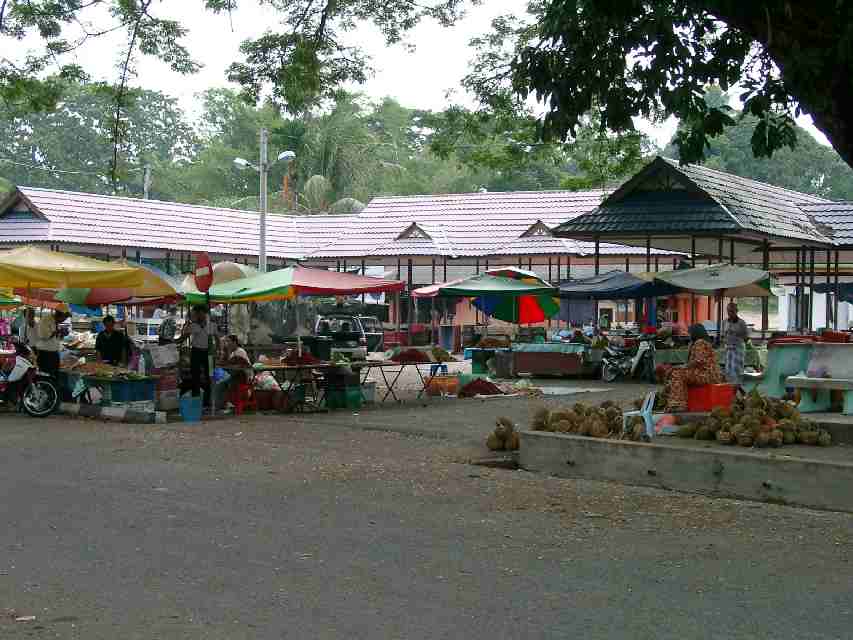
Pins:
x: 806, y: 41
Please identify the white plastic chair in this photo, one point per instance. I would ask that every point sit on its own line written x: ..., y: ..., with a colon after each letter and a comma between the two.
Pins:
x: 645, y: 413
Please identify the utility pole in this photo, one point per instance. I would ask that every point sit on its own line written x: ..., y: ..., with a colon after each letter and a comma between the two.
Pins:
x: 263, y: 166
x: 146, y: 181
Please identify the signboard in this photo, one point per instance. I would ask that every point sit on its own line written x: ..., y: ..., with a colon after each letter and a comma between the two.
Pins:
x: 203, y: 272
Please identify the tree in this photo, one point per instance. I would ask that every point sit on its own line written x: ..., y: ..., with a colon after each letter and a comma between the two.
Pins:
x: 72, y: 146
x: 810, y: 168
x: 654, y: 58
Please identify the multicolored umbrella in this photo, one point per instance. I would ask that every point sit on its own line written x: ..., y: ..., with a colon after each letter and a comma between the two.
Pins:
x: 32, y: 267
x: 157, y: 286
x: 508, y: 294
x: 285, y: 284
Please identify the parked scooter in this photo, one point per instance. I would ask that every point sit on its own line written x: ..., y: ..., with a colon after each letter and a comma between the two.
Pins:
x: 23, y: 385
x: 626, y: 363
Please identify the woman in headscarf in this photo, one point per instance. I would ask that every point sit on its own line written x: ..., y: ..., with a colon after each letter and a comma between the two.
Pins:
x: 701, y: 369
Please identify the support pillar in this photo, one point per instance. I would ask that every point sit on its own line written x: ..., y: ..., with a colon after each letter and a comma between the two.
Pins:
x: 597, y: 255
x: 837, y: 292
x: 765, y: 302
x: 811, y: 290
x: 648, y: 254
x: 827, y: 320
x: 445, y: 268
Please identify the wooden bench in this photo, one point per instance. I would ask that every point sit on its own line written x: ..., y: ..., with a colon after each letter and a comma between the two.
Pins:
x: 830, y: 369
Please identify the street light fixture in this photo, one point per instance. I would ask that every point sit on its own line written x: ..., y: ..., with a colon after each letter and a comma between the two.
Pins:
x: 263, y: 169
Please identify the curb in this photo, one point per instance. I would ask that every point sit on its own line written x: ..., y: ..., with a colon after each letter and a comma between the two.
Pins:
x: 719, y: 472
x: 112, y: 414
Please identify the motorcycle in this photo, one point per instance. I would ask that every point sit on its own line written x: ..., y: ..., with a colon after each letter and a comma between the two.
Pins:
x: 29, y: 389
x: 622, y: 363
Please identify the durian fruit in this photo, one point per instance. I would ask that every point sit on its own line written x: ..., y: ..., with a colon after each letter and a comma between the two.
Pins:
x: 638, y: 431
x: 808, y: 437
x: 789, y: 437
x: 504, y: 428
x: 608, y: 404
x: 776, y: 438
x: 762, y: 439
x: 744, y: 438
x: 721, y: 412
x: 786, y: 424
x: 614, y: 418
x: 539, y: 422
x: 513, y: 442
x: 581, y: 409
x: 494, y: 443
x: 725, y: 437
x: 598, y: 429
x: 703, y: 433
x: 558, y: 415
x: 583, y: 427
x: 563, y: 426
x: 638, y: 403
x: 687, y: 431
x: 824, y: 438
x: 736, y: 428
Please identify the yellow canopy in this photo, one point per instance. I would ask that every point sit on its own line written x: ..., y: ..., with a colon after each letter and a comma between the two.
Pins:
x: 35, y: 268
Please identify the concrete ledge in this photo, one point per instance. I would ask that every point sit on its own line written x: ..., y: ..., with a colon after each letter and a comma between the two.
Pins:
x: 111, y: 414
x: 717, y: 471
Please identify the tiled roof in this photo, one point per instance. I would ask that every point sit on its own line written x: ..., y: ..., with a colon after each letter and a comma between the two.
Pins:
x: 714, y: 202
x: 838, y: 216
x: 83, y: 218
x: 469, y: 224
x: 460, y: 225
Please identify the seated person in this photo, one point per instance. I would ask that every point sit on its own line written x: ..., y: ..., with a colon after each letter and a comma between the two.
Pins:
x: 112, y: 346
x: 701, y: 369
x: 235, y: 356
x: 324, y: 329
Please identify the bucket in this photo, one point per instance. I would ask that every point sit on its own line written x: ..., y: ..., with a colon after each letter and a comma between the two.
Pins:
x: 190, y: 408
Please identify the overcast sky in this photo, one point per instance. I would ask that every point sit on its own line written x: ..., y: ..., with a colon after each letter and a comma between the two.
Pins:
x: 419, y: 79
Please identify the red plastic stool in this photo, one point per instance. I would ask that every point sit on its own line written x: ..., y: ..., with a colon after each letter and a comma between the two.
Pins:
x: 704, y: 398
x: 243, y: 397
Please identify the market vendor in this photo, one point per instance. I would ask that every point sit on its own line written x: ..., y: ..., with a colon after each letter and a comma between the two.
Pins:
x: 236, y: 359
x: 49, y: 341
x: 736, y: 334
x: 200, y: 331
x: 579, y: 338
x: 168, y: 326
x: 701, y: 369
x: 111, y: 345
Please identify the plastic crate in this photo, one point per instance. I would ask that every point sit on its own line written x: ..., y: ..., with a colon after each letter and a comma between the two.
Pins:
x: 710, y: 396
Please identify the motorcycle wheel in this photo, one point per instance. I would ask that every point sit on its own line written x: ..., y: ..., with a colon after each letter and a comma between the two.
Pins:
x: 609, y: 373
x: 40, y: 399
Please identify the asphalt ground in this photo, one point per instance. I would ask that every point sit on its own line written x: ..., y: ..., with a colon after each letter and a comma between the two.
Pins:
x: 375, y: 525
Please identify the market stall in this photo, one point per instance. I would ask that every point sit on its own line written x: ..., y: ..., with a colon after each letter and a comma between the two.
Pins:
x: 299, y: 371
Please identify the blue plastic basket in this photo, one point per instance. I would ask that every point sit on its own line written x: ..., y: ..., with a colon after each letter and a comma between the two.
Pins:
x: 190, y: 408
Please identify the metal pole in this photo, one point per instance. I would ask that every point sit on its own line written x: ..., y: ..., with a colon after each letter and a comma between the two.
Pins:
x: 720, y: 251
x: 827, y: 320
x: 765, y: 302
x: 445, y: 269
x: 597, y: 256
x: 732, y: 251
x: 811, y: 290
x: 648, y: 254
x: 837, y: 292
x: 146, y: 181
x: 264, y: 169
x: 797, y: 324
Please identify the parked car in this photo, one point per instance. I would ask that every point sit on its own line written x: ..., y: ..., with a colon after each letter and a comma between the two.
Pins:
x: 347, y: 334
x: 374, y: 332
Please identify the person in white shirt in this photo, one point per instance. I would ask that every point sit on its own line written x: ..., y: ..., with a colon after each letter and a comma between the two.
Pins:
x: 199, y: 332
x: 735, y: 338
x: 49, y: 341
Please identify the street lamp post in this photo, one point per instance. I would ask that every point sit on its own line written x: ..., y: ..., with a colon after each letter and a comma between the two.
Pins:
x: 263, y: 169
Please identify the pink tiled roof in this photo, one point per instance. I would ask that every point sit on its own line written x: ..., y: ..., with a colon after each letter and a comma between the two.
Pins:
x: 460, y: 225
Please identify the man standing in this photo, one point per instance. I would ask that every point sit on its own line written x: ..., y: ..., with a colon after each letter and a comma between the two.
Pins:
x: 111, y: 345
x: 49, y: 341
x: 200, y: 332
x: 736, y: 335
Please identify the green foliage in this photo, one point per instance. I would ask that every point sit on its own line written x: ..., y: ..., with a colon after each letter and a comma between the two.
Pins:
x: 654, y: 58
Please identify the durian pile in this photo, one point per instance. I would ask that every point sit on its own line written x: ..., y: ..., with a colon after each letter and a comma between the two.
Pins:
x: 504, y: 437
x: 757, y: 421
x: 603, y: 421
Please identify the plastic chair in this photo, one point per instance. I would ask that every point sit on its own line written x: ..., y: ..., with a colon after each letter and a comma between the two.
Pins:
x: 243, y: 397
x: 645, y: 413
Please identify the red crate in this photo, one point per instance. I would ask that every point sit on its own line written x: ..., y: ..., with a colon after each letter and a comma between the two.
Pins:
x: 709, y: 396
